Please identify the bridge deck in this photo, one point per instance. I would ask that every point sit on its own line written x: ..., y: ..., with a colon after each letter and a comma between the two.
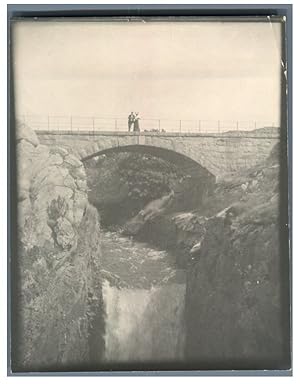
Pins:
x: 267, y: 133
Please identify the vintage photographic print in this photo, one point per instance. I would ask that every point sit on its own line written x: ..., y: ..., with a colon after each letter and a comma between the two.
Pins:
x: 151, y: 195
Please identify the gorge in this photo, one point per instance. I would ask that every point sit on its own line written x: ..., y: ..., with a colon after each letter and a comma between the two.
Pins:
x: 127, y: 260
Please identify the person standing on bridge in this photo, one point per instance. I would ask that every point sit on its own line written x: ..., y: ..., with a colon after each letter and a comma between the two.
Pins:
x: 136, y: 125
x: 131, y: 119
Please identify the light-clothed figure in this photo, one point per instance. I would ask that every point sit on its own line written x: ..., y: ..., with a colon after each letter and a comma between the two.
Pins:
x: 136, y: 124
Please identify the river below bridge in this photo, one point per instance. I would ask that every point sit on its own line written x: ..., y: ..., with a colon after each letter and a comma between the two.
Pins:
x: 144, y: 294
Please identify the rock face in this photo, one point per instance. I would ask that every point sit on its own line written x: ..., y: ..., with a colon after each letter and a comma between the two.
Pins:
x: 236, y: 309
x: 46, y: 178
x: 153, y: 209
x: 59, y: 292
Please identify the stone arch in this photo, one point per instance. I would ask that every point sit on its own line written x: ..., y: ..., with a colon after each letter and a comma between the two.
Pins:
x: 182, y: 147
x: 219, y: 154
x: 86, y: 145
x: 192, y: 186
x: 182, y: 161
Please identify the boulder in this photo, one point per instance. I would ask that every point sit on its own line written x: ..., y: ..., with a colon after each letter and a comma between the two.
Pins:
x: 152, y: 210
x: 23, y: 132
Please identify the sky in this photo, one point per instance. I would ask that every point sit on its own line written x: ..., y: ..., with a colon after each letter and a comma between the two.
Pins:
x: 167, y: 70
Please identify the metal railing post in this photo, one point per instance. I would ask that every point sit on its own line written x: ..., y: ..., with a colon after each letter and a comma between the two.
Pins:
x: 199, y: 125
x: 180, y: 126
x: 159, y: 125
x: 237, y: 125
x: 71, y: 123
x: 93, y: 125
x: 116, y: 124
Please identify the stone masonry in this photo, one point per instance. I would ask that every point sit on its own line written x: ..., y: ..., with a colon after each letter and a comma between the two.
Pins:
x: 219, y: 153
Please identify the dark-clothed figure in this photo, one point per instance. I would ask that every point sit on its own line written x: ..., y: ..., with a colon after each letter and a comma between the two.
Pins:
x: 131, y: 119
x: 136, y: 124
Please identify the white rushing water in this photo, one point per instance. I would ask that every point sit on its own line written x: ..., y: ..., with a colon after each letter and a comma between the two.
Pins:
x: 144, y: 324
x: 144, y: 321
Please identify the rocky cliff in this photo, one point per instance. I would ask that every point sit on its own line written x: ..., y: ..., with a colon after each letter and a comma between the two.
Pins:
x: 58, y: 292
x: 236, y: 303
x: 231, y: 245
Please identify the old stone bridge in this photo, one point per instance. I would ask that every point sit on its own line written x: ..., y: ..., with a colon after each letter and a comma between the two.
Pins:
x: 219, y: 154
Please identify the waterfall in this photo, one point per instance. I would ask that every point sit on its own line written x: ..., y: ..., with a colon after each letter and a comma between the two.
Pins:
x: 144, y: 324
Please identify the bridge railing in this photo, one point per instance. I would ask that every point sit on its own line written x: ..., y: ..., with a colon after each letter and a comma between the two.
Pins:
x: 98, y: 124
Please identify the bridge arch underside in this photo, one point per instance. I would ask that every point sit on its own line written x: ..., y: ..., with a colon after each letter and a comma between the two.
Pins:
x: 183, y: 162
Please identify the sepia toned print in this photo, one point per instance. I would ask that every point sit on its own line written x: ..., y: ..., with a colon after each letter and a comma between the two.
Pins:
x: 149, y: 163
